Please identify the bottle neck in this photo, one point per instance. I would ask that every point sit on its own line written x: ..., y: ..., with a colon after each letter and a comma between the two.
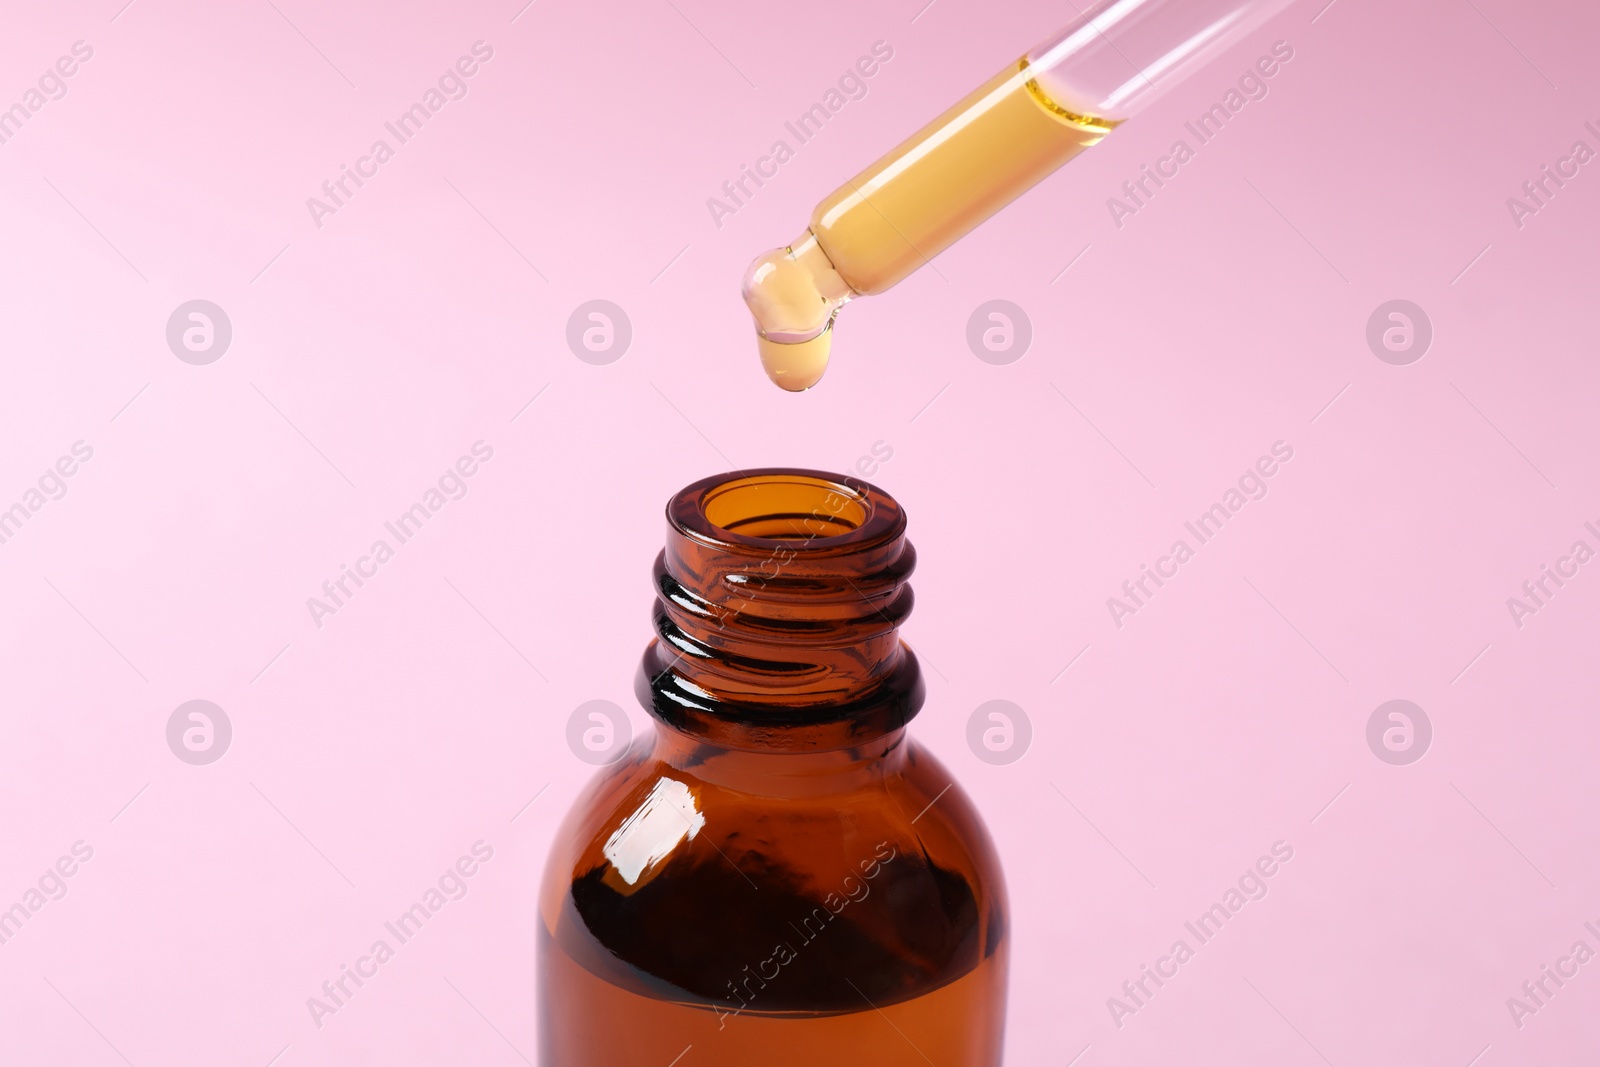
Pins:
x: 779, y: 597
x: 784, y: 773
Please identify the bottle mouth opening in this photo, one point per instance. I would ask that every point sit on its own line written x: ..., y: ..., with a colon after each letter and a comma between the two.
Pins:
x: 794, y: 508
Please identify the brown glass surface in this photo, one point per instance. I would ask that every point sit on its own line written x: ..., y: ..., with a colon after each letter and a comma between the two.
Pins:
x: 840, y: 897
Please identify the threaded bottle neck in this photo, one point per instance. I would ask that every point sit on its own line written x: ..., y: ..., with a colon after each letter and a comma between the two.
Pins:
x: 779, y: 599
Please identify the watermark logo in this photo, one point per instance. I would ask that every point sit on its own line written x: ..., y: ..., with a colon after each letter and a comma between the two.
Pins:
x: 1252, y: 886
x: 1539, y: 191
x: 51, y: 86
x: 1252, y: 485
x: 1537, y: 591
x: 598, y: 732
x: 999, y: 732
x: 199, y: 732
x: 737, y: 192
x: 1399, y: 732
x: 599, y: 332
x: 999, y: 332
x: 744, y: 987
x: 451, y: 885
x: 51, y: 886
x: 450, y: 486
x: 1399, y: 332
x: 1139, y: 191
x: 1537, y: 992
x: 199, y: 332
x: 451, y: 86
x: 51, y: 485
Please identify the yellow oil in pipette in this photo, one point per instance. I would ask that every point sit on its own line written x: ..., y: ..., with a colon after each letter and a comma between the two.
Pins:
x: 905, y: 209
x: 952, y: 175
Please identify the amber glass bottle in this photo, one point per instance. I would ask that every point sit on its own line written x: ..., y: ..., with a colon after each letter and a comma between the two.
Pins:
x: 778, y: 875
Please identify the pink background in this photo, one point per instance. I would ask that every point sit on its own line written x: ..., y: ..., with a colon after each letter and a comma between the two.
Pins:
x: 1225, y: 716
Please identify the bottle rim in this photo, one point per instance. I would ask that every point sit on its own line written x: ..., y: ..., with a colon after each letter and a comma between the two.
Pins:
x: 807, y: 512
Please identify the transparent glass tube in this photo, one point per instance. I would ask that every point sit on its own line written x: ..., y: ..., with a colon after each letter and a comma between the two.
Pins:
x: 1037, y: 113
x: 1123, y: 54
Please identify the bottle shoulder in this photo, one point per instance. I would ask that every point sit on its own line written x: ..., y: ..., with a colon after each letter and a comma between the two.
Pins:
x: 679, y: 886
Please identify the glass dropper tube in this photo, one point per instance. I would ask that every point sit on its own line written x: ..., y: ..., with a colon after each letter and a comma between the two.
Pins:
x: 1040, y: 111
